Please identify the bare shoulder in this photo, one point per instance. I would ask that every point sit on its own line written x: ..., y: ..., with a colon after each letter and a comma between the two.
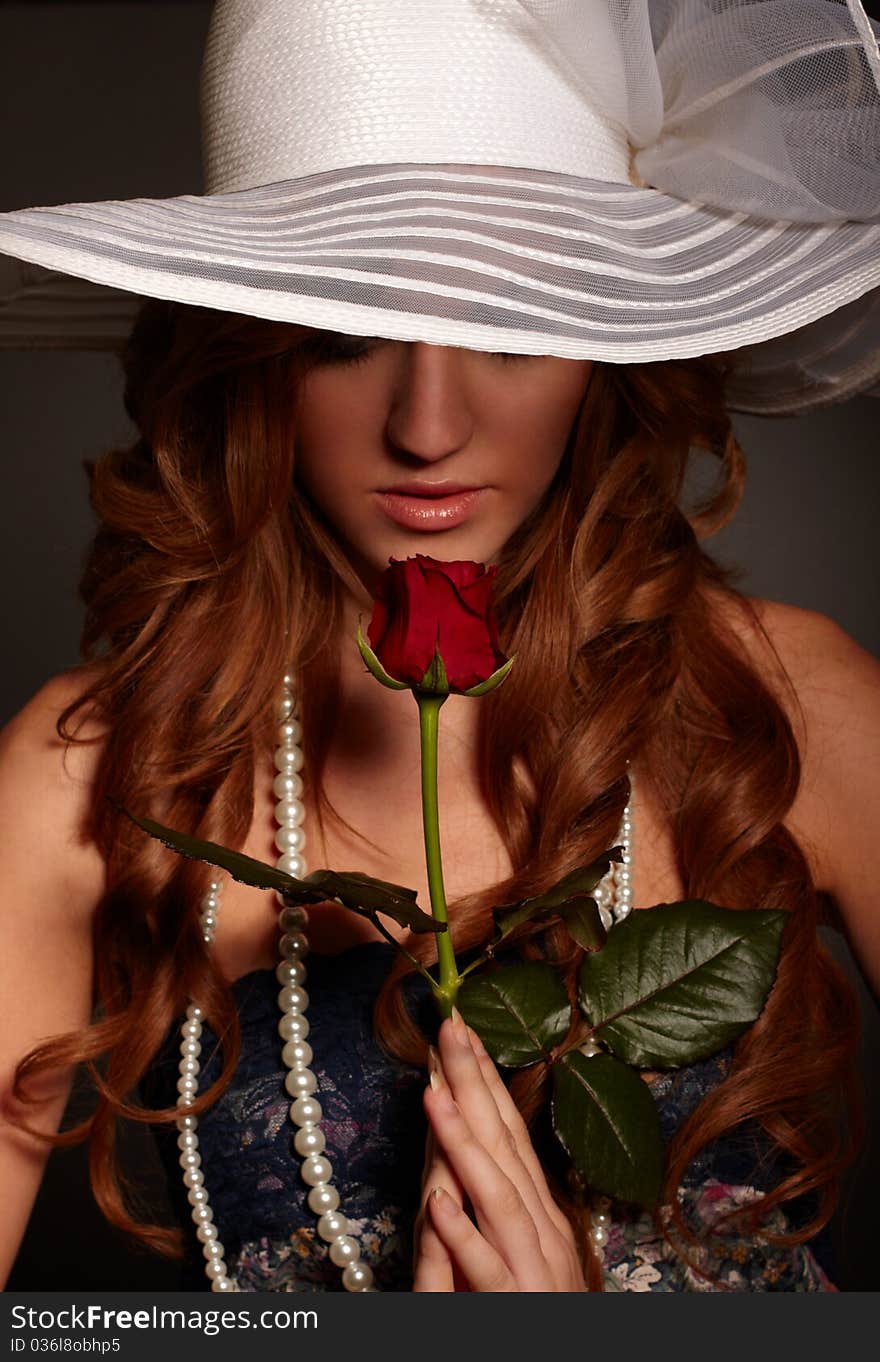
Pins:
x: 46, y: 783
x: 831, y: 691
x: 835, y: 680
x: 51, y: 881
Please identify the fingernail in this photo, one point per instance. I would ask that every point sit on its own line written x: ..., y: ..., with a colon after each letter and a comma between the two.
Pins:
x: 434, y: 1073
x: 444, y: 1201
x: 459, y: 1029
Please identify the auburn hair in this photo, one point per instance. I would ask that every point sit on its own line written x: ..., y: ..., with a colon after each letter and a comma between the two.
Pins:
x: 627, y: 651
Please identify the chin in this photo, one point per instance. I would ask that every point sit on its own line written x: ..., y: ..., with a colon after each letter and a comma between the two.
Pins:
x: 446, y: 546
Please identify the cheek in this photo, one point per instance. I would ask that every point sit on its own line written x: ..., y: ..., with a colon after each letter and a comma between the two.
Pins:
x: 538, y: 433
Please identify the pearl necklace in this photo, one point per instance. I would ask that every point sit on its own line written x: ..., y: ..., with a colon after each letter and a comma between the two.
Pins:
x: 613, y: 896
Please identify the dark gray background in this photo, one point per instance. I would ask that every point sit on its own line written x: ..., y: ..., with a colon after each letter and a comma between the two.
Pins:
x: 99, y: 101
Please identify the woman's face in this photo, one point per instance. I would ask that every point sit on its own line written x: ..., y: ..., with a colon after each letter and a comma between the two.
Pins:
x: 409, y: 412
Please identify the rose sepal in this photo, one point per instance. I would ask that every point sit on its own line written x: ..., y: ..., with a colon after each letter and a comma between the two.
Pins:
x: 490, y: 683
x: 375, y: 666
x: 435, y: 682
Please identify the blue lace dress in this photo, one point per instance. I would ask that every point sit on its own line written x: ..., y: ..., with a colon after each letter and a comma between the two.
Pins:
x: 375, y: 1130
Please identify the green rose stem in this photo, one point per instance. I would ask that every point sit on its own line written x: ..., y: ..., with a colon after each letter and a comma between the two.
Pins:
x: 429, y: 710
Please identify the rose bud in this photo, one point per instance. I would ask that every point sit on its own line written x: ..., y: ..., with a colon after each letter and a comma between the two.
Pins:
x: 434, y: 629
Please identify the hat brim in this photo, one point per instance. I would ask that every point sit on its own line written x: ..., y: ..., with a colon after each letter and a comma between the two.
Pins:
x: 491, y: 258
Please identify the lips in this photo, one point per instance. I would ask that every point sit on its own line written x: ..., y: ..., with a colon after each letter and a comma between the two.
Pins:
x: 430, y: 489
x: 430, y: 512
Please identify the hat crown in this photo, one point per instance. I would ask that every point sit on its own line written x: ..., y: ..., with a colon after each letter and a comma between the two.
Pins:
x: 294, y: 87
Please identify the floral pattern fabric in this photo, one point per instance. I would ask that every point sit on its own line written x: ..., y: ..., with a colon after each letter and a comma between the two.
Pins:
x: 375, y: 1129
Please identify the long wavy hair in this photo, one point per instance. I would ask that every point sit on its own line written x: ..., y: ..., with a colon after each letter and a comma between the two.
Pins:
x: 626, y: 652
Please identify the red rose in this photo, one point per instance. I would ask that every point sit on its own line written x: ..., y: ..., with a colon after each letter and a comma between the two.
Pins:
x: 423, y: 604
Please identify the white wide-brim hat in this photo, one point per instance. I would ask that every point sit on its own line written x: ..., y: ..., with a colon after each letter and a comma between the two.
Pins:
x: 619, y: 180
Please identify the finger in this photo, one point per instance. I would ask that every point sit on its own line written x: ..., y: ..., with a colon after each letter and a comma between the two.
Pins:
x: 482, y: 1265
x: 433, y: 1263
x: 468, y: 1080
x: 437, y: 1171
x: 502, y: 1216
x: 433, y: 1269
x: 512, y: 1117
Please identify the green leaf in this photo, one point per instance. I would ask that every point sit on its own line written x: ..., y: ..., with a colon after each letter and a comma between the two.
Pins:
x: 583, y: 923
x: 363, y: 894
x: 243, y: 868
x: 359, y: 892
x: 519, y: 1012
x: 680, y: 981
x: 607, y: 1121
x: 483, y: 687
x: 551, y: 903
x: 375, y: 666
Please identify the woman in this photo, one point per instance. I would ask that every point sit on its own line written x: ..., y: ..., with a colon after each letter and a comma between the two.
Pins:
x: 242, y: 536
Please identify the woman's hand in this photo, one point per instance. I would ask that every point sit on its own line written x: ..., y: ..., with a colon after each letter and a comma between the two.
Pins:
x: 515, y: 1237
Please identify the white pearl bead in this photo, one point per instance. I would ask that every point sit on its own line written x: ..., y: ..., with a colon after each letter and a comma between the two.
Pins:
x: 288, y: 759
x: 194, y: 1013
x: 201, y: 1212
x: 357, y: 1277
x: 209, y: 922
x: 293, y: 1027
x: 187, y: 1139
x: 309, y: 1140
x: 187, y: 1085
x: 316, y: 1168
x: 291, y: 812
x: 294, y: 945
x: 198, y: 1197
x: 190, y: 1158
x: 191, y: 1046
x: 344, y: 1250
x: 287, y: 785
x: 323, y: 1198
x: 292, y: 917
x: 191, y: 1028
x: 289, y: 732
x: 306, y: 1111
x: 212, y: 1248
x: 283, y: 706
x: 206, y: 1232
x: 290, y: 839
x: 292, y: 864
x: 293, y: 998
x: 297, y: 1054
x: 210, y: 903
x: 188, y: 1065
x: 301, y: 1083
x: 599, y: 1236
x: 223, y: 1283
x: 291, y: 973
x: 331, y: 1225
x: 193, y: 1177
x: 187, y: 1123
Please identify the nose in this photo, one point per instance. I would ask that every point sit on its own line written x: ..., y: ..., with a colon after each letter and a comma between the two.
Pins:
x: 430, y: 413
